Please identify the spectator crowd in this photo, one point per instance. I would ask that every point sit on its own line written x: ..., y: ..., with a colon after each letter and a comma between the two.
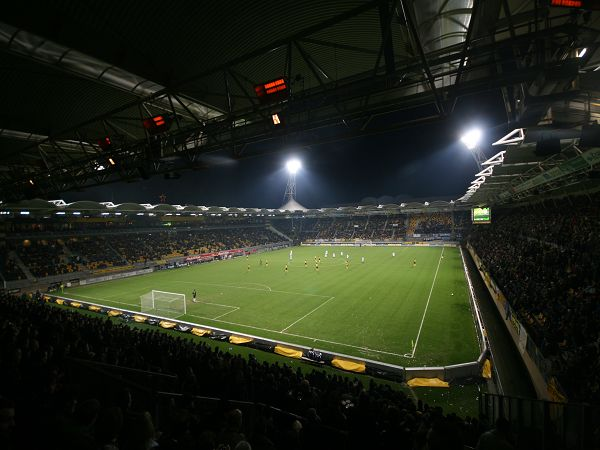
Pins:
x: 545, y: 261
x: 45, y: 405
x: 48, y: 256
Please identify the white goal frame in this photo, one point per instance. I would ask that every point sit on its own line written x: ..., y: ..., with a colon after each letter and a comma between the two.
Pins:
x: 150, y: 301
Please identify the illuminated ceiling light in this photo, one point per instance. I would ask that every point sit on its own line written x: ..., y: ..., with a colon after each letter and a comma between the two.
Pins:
x: 31, y: 182
x: 582, y: 52
x: 471, y: 138
x: 111, y: 161
x: 105, y: 143
x: 276, y: 119
x: 293, y: 166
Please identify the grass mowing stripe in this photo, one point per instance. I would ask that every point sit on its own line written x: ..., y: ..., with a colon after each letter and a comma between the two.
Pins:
x: 414, y: 350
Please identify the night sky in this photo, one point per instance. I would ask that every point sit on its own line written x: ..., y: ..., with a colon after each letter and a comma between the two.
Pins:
x: 426, y: 162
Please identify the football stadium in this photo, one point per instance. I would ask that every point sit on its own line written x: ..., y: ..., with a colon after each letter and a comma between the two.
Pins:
x: 290, y: 225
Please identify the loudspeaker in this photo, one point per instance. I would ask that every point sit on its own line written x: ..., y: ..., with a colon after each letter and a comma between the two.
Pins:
x: 547, y: 147
x: 590, y: 136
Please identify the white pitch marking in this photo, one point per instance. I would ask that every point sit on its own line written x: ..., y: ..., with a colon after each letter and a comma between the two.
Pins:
x: 249, y: 288
x: 228, y: 312
x: 105, y: 300
x: 301, y: 336
x: 308, y: 314
x: 414, y: 349
x: 258, y: 284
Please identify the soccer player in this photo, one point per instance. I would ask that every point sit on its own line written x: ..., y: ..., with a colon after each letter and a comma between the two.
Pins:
x: 260, y: 262
x: 362, y: 259
x: 305, y: 264
x: 248, y: 270
x: 414, y: 263
x: 291, y: 255
x: 333, y: 256
x: 326, y: 252
x: 319, y: 260
x: 286, y: 268
x: 194, y: 296
x: 347, y: 264
x: 317, y: 267
x: 266, y: 263
x: 393, y: 254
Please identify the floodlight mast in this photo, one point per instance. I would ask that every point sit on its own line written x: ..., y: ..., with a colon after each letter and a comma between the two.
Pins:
x: 293, y: 166
x: 471, y: 140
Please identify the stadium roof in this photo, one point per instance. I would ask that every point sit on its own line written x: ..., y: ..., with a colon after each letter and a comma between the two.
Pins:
x: 81, y: 72
x: 527, y: 171
x: 38, y: 207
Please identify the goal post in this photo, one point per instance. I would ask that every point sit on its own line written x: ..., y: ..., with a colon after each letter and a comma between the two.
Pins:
x: 161, y: 303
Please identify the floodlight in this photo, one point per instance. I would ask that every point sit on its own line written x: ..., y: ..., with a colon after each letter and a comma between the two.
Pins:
x: 471, y: 138
x: 293, y: 166
x: 582, y: 52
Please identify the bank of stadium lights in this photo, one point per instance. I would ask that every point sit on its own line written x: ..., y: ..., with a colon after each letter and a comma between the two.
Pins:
x: 471, y: 138
x: 293, y: 166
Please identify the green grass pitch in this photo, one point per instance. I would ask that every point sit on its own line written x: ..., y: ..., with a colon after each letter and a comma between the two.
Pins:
x: 375, y: 310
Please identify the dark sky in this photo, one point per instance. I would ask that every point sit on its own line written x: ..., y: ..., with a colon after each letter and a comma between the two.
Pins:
x: 425, y: 162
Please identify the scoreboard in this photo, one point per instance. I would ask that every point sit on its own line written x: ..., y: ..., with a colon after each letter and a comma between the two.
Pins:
x: 481, y: 215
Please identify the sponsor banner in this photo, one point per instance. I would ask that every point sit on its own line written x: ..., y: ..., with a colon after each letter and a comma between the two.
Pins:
x: 115, y: 276
x: 213, y: 255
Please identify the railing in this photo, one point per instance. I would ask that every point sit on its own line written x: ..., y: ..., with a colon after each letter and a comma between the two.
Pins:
x: 542, y: 424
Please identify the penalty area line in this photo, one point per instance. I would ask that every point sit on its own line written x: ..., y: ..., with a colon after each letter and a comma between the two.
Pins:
x: 367, y: 349
x: 414, y: 349
x: 307, y: 314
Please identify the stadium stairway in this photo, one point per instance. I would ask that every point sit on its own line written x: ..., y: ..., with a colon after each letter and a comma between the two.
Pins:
x: 19, y: 262
x: 278, y: 233
x: 513, y: 376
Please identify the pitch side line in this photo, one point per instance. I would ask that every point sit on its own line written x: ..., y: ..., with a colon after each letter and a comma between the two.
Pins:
x: 249, y: 288
x: 308, y: 314
x: 412, y: 354
x: 301, y: 336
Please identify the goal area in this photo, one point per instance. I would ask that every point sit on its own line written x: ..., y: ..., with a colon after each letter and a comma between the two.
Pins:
x: 165, y: 304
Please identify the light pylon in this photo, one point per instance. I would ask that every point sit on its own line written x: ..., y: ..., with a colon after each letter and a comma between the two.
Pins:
x: 290, y: 189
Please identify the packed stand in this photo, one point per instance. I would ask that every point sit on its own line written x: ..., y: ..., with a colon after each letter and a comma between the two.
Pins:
x: 8, y: 268
x: 43, y: 257
x: 46, y: 257
x: 545, y: 261
x: 373, y: 227
x: 93, y: 253
x: 434, y: 223
x: 41, y: 347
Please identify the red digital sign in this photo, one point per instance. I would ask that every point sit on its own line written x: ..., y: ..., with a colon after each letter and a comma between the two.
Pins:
x: 272, y: 90
x: 577, y: 4
x: 157, y: 124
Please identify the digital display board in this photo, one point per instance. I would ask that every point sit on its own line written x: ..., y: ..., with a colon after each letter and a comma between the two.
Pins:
x: 481, y: 215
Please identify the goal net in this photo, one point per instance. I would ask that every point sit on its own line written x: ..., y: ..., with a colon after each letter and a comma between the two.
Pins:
x: 165, y: 304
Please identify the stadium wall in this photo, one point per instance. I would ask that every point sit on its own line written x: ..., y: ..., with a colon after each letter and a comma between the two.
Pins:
x: 546, y: 387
